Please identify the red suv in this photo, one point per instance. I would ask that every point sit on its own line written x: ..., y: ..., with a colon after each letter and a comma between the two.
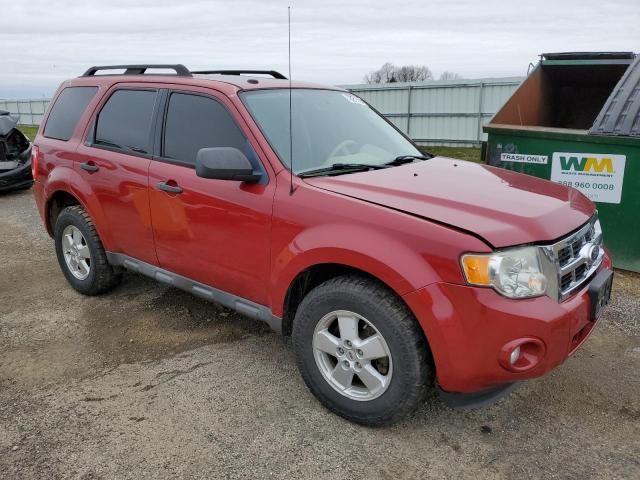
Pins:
x: 301, y: 206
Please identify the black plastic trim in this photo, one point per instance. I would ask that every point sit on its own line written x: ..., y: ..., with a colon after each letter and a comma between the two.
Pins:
x: 273, y: 73
x: 139, y: 69
x: 131, y: 153
x: 229, y: 300
x: 484, y: 398
x: 600, y: 291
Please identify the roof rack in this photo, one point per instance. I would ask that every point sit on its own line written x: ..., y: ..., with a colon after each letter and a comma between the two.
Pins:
x: 180, y: 69
x: 273, y: 73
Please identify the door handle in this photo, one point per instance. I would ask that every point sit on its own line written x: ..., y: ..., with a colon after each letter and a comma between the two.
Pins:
x: 89, y: 167
x: 165, y: 187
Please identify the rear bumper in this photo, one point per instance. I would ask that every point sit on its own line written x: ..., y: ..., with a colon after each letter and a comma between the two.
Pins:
x: 469, y: 329
x: 40, y: 199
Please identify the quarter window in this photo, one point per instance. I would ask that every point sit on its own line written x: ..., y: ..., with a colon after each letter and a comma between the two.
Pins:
x: 194, y: 122
x: 67, y: 110
x: 125, y: 120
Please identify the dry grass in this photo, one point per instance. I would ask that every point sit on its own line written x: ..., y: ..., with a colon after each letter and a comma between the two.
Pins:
x: 29, y: 130
x: 463, y: 153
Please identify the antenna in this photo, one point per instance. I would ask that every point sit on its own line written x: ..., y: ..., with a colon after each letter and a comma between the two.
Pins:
x: 290, y: 110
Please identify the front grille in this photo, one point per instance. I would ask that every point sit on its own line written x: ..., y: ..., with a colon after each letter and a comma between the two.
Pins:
x: 579, y: 272
x: 576, y: 257
x: 575, y: 246
x: 564, y: 256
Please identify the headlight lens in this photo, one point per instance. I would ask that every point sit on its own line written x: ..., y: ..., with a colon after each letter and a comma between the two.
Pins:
x: 515, y: 273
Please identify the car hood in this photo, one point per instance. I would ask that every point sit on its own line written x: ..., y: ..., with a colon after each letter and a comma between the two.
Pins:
x: 7, y: 123
x: 503, y: 207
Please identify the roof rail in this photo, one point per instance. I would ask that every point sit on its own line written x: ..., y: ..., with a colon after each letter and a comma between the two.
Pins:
x: 180, y: 69
x: 273, y: 73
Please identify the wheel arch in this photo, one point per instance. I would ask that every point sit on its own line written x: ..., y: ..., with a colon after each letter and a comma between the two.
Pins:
x: 73, y: 190
x: 58, y: 201
x: 316, y: 274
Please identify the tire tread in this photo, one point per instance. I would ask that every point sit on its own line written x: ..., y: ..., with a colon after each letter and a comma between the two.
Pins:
x: 106, y: 277
x: 415, y: 346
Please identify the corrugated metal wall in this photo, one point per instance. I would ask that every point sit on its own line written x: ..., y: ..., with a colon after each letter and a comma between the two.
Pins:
x: 29, y: 111
x: 440, y: 112
x: 449, y: 112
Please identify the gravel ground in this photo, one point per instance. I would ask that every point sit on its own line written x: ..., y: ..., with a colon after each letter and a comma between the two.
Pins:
x: 149, y: 382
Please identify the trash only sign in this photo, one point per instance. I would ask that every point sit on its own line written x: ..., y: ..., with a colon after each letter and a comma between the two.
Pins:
x: 598, y: 176
x: 520, y: 158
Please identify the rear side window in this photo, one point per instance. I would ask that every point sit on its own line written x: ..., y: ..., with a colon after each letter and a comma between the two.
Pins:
x: 194, y: 122
x: 67, y: 110
x: 125, y: 120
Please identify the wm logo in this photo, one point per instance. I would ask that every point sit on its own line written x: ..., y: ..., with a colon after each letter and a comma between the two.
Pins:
x: 586, y: 164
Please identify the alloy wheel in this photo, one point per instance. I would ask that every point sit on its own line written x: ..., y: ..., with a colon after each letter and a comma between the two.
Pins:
x: 352, y: 355
x: 76, y: 252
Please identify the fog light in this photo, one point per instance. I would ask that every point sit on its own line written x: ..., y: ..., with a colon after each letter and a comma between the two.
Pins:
x: 521, y: 354
x: 515, y: 355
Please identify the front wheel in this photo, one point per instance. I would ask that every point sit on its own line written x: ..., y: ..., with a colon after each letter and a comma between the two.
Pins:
x: 360, y: 351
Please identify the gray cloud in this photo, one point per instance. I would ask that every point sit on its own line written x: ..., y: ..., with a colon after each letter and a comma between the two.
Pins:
x: 43, y: 42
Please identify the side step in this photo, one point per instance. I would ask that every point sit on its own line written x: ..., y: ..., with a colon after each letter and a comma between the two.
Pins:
x: 239, y: 304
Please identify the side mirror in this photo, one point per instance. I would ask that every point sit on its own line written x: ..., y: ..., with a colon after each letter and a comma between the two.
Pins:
x: 225, y: 163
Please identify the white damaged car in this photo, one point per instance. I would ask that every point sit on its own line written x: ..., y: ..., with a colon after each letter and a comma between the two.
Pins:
x: 15, y: 155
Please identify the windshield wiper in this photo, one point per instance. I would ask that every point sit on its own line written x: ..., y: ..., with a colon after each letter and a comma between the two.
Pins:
x: 341, y: 167
x: 402, y: 159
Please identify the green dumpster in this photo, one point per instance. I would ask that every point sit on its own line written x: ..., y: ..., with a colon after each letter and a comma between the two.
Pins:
x: 575, y: 120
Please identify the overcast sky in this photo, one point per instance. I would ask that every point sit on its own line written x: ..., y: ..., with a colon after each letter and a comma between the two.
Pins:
x: 43, y: 42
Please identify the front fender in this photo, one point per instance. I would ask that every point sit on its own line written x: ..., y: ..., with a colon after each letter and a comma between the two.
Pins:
x: 364, y: 248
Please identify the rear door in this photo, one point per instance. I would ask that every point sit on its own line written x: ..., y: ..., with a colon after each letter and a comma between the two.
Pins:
x: 114, y: 162
x: 213, y: 231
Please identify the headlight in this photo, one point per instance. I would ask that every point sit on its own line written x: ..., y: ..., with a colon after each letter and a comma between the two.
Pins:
x: 515, y: 273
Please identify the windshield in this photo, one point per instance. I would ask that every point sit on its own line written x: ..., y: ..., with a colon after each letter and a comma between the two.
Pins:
x: 329, y: 127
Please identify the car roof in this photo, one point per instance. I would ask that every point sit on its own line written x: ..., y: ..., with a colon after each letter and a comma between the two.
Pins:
x: 228, y: 84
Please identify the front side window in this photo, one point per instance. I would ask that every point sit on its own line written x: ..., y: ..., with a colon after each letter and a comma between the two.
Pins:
x: 125, y: 121
x: 329, y: 127
x: 65, y: 113
x: 194, y: 122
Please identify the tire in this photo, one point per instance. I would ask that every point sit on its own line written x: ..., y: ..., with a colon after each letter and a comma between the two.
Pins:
x: 407, y: 371
x: 101, y: 277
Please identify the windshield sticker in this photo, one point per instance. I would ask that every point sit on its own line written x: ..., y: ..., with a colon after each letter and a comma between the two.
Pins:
x: 353, y: 99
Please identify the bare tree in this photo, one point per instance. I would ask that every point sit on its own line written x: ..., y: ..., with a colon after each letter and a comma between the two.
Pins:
x: 450, y: 76
x: 413, y: 73
x: 389, y: 73
x: 385, y: 74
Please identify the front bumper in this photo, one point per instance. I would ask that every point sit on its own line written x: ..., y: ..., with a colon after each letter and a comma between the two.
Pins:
x: 468, y: 328
x: 17, y: 178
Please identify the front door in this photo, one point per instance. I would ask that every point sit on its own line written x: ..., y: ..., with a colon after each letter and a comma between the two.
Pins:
x: 114, y: 162
x: 213, y: 231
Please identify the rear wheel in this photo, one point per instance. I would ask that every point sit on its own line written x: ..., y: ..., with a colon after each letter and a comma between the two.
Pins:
x: 80, y: 253
x: 361, y: 351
